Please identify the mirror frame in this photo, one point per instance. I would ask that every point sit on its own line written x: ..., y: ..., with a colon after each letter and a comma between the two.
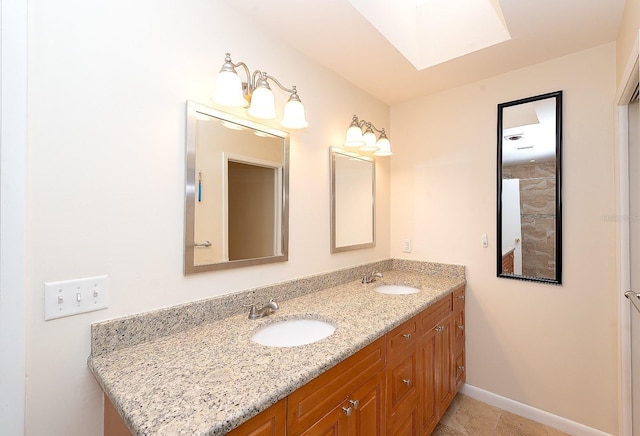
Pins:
x: 334, y: 248
x: 190, y: 190
x: 557, y: 280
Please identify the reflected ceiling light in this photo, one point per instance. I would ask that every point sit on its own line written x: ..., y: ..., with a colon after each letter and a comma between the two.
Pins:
x: 367, y: 141
x: 231, y: 91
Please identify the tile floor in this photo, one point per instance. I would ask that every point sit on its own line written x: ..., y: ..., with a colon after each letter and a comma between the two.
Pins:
x: 467, y: 416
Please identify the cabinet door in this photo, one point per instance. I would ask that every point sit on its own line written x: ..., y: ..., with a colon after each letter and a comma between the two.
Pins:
x: 429, y: 409
x: 270, y: 422
x: 334, y: 423
x: 368, y: 403
x: 445, y: 337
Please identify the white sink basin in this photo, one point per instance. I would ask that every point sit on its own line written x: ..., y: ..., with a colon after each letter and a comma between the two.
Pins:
x: 396, y: 289
x: 293, y: 332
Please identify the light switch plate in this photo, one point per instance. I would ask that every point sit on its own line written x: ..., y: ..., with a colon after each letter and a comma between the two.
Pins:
x: 406, y: 246
x: 71, y: 297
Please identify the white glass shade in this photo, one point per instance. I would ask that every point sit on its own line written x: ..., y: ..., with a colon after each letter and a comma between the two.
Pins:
x: 369, y: 141
x: 294, y: 117
x: 384, y: 147
x: 354, y: 137
x: 263, y: 104
x: 228, y: 90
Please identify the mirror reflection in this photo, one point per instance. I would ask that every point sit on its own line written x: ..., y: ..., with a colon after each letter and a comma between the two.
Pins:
x: 352, y: 201
x: 529, y: 203
x: 236, y: 191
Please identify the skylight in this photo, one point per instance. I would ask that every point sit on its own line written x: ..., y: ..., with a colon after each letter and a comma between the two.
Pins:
x: 429, y: 32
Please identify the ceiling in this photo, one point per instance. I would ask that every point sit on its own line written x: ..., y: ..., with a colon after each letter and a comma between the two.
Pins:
x: 334, y: 34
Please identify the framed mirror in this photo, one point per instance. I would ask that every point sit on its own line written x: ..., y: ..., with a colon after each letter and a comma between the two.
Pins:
x: 529, y: 202
x: 353, y: 181
x: 236, y: 191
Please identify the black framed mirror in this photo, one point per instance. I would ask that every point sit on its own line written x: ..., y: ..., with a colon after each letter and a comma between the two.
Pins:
x: 529, y: 201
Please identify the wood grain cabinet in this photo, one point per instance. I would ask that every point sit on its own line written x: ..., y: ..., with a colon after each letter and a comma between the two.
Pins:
x: 270, y: 422
x: 400, y: 384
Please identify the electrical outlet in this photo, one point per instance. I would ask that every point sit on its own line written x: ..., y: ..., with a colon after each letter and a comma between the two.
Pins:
x: 71, y: 297
x: 406, y: 246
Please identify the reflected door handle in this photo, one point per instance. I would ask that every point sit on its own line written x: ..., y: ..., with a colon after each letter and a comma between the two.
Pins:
x: 202, y: 244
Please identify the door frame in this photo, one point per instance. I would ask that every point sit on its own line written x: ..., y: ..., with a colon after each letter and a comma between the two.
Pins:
x: 628, y: 81
x: 13, y: 200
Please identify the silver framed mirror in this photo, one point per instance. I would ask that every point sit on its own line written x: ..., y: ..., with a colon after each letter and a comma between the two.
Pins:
x: 529, y: 201
x: 353, y: 180
x: 236, y: 191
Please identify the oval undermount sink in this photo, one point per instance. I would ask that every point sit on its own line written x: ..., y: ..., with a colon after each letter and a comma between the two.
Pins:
x: 293, y: 332
x: 396, y: 289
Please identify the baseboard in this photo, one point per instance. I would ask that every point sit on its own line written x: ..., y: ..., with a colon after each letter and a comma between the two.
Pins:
x: 546, y: 418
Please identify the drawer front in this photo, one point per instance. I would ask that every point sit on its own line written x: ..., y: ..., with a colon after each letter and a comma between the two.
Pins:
x: 309, y: 403
x: 458, y: 321
x: 458, y: 298
x: 403, y: 379
x: 437, y: 312
x: 459, y: 368
x: 403, y: 337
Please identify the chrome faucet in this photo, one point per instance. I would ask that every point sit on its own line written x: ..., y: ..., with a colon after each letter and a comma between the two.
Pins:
x: 267, y: 309
x: 371, y: 277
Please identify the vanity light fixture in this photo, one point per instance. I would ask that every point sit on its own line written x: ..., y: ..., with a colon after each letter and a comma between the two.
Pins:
x: 233, y: 92
x: 367, y: 141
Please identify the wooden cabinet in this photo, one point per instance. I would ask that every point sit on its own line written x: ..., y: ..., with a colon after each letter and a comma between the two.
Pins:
x: 354, y: 388
x: 442, y: 357
x: 270, y: 422
x: 400, y: 384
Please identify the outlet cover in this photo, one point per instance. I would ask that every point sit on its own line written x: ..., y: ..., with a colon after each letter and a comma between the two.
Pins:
x: 71, y: 297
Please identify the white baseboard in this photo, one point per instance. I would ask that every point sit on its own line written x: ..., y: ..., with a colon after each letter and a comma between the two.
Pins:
x: 521, y: 409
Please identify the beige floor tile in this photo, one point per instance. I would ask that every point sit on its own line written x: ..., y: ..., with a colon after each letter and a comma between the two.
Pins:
x: 471, y: 417
x: 510, y: 424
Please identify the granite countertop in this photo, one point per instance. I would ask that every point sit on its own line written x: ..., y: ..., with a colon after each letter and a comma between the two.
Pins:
x: 210, y: 378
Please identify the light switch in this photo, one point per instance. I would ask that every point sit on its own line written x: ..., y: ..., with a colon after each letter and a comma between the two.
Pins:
x: 71, y: 297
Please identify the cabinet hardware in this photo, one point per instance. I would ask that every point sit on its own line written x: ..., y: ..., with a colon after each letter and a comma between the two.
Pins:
x: 407, y: 336
x: 406, y: 381
x: 440, y: 328
x: 461, y: 327
x: 460, y: 297
x: 461, y: 367
x: 346, y: 410
x: 355, y: 404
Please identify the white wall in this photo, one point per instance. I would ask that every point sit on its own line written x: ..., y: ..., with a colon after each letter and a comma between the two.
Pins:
x: 108, y: 82
x: 553, y: 348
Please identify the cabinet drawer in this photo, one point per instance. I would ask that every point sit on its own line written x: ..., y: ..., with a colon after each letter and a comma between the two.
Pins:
x: 403, y: 337
x: 436, y: 313
x: 458, y: 322
x: 402, y: 379
x: 459, y: 368
x: 312, y: 401
x: 458, y: 298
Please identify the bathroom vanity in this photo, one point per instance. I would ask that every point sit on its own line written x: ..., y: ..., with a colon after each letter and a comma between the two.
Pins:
x: 392, y: 366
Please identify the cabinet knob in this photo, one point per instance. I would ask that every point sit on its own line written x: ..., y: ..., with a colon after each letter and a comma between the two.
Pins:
x: 440, y: 328
x: 461, y: 327
x: 346, y: 410
x: 460, y: 297
x: 355, y: 404
x: 461, y: 367
x: 406, y: 381
x: 407, y: 336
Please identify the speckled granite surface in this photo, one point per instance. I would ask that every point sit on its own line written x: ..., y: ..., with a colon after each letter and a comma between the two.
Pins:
x: 209, y: 377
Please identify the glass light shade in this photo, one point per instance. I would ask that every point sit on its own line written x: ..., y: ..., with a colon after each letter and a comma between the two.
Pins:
x: 369, y: 141
x: 384, y: 147
x: 228, y: 90
x: 263, y: 104
x: 294, y: 117
x: 354, y: 137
